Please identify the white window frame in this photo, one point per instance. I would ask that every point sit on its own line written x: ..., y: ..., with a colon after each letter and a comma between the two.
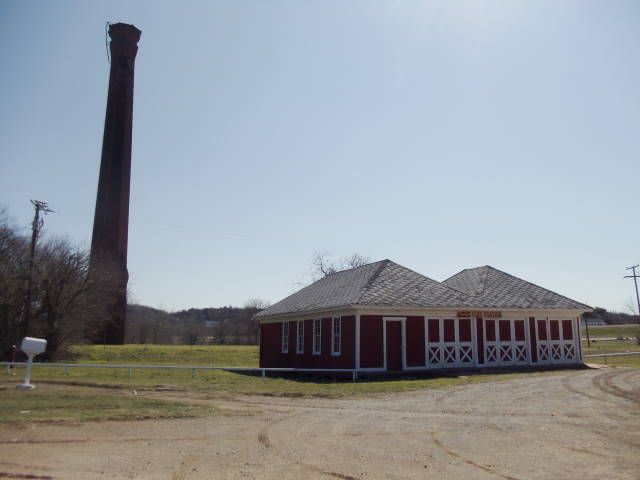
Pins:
x: 284, y: 348
x: 317, y: 336
x: 300, y: 336
x: 336, y: 321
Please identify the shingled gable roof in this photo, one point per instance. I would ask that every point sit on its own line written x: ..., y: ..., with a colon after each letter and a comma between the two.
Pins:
x: 492, y: 288
x: 380, y: 283
x: 386, y: 283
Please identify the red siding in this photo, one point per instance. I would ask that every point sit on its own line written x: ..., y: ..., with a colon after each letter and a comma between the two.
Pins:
x: 479, y: 340
x: 449, y: 330
x: 394, y: 345
x: 505, y: 330
x: 532, y: 340
x: 542, y: 329
x: 414, y: 330
x: 491, y: 330
x: 271, y: 346
x: 567, y: 331
x: 464, y: 329
x: 519, y: 329
x: 371, y: 346
x: 554, y: 330
x: 434, y: 330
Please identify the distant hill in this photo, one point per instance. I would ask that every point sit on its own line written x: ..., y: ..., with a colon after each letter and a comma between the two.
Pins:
x: 611, y: 318
x: 193, y: 326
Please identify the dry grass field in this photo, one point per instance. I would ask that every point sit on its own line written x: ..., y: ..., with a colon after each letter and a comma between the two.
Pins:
x: 576, y: 424
x: 165, y: 424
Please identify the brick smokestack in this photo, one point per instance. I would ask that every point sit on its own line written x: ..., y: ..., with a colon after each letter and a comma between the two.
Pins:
x: 111, y: 221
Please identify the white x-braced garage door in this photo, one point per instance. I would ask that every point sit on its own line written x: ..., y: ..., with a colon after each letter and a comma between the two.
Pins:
x: 505, y: 342
x: 449, y: 343
x: 555, y: 340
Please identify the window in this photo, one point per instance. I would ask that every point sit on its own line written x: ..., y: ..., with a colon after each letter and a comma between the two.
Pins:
x: 285, y: 337
x: 300, y: 345
x: 336, y: 337
x: 317, y: 336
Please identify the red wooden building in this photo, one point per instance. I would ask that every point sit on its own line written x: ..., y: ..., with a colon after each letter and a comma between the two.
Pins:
x: 385, y: 317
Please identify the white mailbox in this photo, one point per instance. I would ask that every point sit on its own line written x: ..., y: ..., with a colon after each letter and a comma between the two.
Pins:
x: 32, y: 347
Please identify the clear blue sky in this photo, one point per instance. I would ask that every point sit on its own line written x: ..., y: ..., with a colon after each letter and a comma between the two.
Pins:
x: 441, y: 135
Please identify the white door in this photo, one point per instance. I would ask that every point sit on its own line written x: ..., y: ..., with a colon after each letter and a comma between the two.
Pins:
x: 449, y: 343
x: 505, y: 342
x: 557, y: 341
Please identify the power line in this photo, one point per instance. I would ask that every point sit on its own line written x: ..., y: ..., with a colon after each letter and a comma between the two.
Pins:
x: 635, y: 282
x: 36, y: 226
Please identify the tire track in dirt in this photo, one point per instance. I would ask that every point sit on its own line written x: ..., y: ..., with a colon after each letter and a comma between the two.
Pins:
x: 566, y: 383
x: 604, y: 383
x: 24, y: 476
x: 587, y: 452
x: 104, y: 440
x: 468, y: 461
x: 265, y: 440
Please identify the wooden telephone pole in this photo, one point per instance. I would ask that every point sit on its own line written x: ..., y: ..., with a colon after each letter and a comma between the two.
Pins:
x: 36, y: 226
x: 635, y: 282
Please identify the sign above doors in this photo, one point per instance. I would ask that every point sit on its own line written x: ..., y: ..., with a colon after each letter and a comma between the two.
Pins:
x: 477, y: 313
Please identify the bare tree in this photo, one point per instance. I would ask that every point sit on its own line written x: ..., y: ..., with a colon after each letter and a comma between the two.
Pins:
x: 13, y: 260
x: 322, y: 265
x: 251, y: 327
x: 255, y: 303
x: 62, y: 303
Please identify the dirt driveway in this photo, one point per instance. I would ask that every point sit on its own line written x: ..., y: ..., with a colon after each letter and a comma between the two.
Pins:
x: 577, y: 424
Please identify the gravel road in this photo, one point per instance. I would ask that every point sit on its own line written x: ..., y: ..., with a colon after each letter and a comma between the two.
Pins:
x: 572, y: 425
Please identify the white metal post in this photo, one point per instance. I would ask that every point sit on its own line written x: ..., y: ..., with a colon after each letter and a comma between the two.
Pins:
x: 27, y: 376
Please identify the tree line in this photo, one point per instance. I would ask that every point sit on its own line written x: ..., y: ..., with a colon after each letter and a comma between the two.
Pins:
x: 65, y: 304
x: 195, y: 326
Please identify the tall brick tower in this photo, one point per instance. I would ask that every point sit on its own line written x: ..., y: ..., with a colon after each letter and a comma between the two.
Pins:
x: 111, y: 221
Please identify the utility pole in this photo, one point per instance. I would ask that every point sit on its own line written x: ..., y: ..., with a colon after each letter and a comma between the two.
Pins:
x: 586, y: 324
x: 36, y: 226
x: 635, y: 282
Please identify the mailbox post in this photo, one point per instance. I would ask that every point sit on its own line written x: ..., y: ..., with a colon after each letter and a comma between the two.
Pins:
x: 32, y: 347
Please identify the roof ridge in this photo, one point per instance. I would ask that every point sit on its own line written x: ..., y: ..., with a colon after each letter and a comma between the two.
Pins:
x: 356, y: 268
x: 384, y: 264
x: 484, y: 280
x: 456, y: 274
x: 535, y: 285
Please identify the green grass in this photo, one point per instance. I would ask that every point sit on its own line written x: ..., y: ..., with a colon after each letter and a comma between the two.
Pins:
x: 611, y: 331
x: 632, y: 361
x: 75, y: 396
x: 600, y: 346
x: 210, y: 355
x: 612, y: 346
x: 49, y: 403
x: 218, y: 382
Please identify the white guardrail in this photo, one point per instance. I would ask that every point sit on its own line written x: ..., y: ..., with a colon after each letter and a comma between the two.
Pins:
x: 130, y: 368
x: 263, y: 371
x: 606, y: 355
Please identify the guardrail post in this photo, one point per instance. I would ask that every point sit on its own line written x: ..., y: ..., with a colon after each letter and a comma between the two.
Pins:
x: 8, y: 369
x: 354, y: 375
x: 605, y: 360
x: 66, y: 370
x: 264, y: 373
x: 193, y: 373
x: 130, y: 372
